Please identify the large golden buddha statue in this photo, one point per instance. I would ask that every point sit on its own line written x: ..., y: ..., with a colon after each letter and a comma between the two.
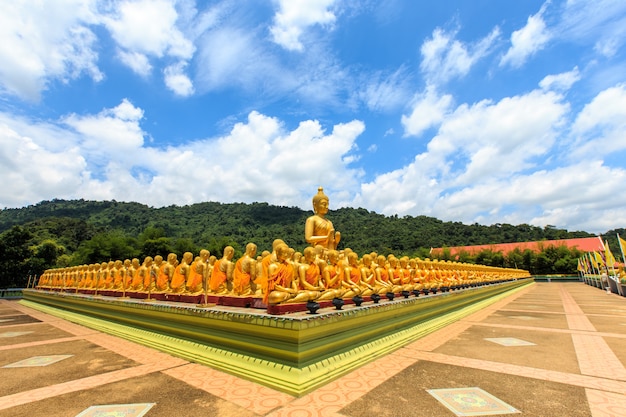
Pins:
x: 318, y: 230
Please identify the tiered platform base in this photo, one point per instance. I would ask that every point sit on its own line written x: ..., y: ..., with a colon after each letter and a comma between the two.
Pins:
x: 294, y: 353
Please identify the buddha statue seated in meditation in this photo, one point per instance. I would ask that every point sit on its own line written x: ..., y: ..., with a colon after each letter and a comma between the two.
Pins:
x: 166, y: 272
x: 244, y: 272
x: 352, y: 277
x: 197, y: 273
x: 281, y: 285
x: 181, y: 273
x: 318, y: 230
x: 222, y: 274
x: 310, y: 278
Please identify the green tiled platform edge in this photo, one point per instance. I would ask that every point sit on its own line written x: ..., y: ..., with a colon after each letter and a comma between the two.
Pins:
x: 291, y: 354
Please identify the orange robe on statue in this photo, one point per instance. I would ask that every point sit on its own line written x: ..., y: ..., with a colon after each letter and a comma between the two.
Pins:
x: 218, y: 278
x: 355, y: 275
x: 194, y: 282
x: 178, y: 280
x: 312, y: 275
x: 282, y: 277
x: 163, y: 279
x: 241, y: 279
x: 332, y: 274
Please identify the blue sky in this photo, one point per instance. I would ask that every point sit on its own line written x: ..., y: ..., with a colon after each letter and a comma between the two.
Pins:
x: 471, y: 111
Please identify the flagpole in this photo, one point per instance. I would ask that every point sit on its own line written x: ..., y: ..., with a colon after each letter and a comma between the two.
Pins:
x: 580, y: 271
x: 621, y: 249
x: 592, y: 260
x: 602, y: 268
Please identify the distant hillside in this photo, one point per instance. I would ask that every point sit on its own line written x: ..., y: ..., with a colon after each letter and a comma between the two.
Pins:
x: 63, y: 233
x: 362, y: 230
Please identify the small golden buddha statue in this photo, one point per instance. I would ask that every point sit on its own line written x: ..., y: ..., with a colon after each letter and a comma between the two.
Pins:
x: 222, y: 274
x: 244, y: 272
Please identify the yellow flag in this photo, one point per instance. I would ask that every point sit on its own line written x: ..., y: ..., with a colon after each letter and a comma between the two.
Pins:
x: 592, y: 257
x: 610, y: 259
x: 599, y: 259
x: 622, y: 245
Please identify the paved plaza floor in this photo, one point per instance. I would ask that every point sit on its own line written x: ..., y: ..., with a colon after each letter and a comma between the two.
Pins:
x: 550, y: 349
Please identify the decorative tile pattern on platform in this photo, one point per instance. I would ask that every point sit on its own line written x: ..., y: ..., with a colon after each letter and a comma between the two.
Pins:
x: 117, y: 410
x: 13, y: 334
x: 525, y: 317
x: 471, y: 401
x: 38, y: 361
x: 509, y: 341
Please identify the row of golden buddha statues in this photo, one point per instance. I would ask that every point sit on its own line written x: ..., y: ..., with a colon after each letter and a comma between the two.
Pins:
x: 319, y: 273
x: 282, y: 276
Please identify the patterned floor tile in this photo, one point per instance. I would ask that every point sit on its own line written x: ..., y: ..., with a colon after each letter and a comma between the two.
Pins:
x: 117, y: 410
x: 38, y: 361
x: 606, y: 404
x: 509, y: 341
x: 13, y: 334
x: 525, y: 318
x: 250, y: 395
x: 471, y: 401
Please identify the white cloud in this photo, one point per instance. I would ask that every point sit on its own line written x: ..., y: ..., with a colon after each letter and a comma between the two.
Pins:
x: 560, y: 82
x: 601, y: 23
x: 55, y: 41
x: 469, y: 162
x: 295, y: 16
x: 104, y: 157
x: 148, y: 27
x: 445, y: 58
x: 136, y: 61
x: 429, y: 110
x: 227, y: 56
x: 177, y: 81
x: 231, y: 57
x: 516, y: 130
x: 113, y: 133
x: 46, y: 41
x: 563, y: 196
x: 385, y: 92
x: 600, y: 128
x: 31, y: 172
x: 527, y: 41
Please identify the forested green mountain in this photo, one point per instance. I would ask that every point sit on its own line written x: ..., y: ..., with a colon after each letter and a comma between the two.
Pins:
x: 61, y: 232
x: 75, y: 221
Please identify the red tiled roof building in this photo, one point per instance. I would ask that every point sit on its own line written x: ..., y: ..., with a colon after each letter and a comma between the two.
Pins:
x: 584, y: 244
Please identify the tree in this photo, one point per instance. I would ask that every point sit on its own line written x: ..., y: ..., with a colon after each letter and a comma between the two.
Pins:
x: 107, y: 246
x: 48, y: 251
x: 153, y: 241
x: 14, y: 254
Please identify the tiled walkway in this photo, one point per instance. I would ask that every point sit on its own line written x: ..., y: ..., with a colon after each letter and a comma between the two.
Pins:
x: 552, y: 349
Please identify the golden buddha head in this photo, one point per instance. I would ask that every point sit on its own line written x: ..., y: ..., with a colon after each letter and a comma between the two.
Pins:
x: 309, y: 253
x: 229, y: 252
x: 320, y: 202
